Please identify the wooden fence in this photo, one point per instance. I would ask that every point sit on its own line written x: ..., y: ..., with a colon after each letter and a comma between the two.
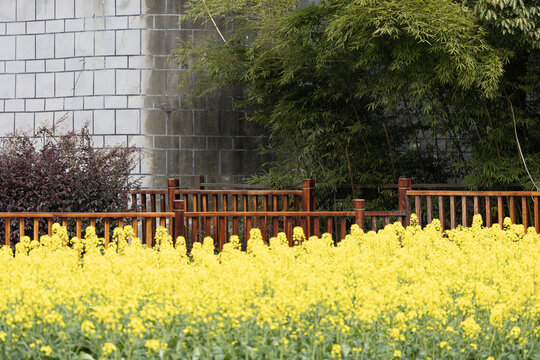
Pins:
x: 197, y: 213
x: 220, y: 225
x: 21, y: 222
x: 455, y: 208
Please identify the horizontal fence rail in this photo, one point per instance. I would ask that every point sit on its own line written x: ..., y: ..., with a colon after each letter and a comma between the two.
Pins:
x: 458, y: 207
x: 380, y: 219
x: 41, y: 223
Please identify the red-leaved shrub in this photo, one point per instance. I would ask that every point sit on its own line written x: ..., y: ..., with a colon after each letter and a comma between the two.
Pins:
x: 53, y: 172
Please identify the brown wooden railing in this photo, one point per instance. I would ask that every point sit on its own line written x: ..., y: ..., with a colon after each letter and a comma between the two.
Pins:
x: 150, y: 200
x: 454, y: 208
x: 196, y: 213
x: 221, y: 213
x: 221, y: 224
x: 23, y: 221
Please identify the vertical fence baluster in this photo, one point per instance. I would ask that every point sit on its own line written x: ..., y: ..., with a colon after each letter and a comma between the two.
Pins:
x: 418, y: 209
x: 512, y: 206
x: 8, y: 231
x: 500, y: 211
x: 107, y: 231
x: 343, y: 228
x: 316, y: 226
x: 135, y: 226
x: 524, y: 214
x: 222, y: 232
x: 195, y: 220
x: 153, y: 209
x: 488, y: 212
x: 134, y: 202
x: 441, y: 211
x: 21, y: 228
x: 248, y: 227
x: 216, y: 221
x: 263, y: 220
x: 245, y: 207
x: 36, y: 229
x: 536, y: 215
x: 476, y: 206
x: 225, y: 207
x: 148, y: 232
x: 275, y: 221
x: 143, y: 209
x: 296, y: 208
x: 49, y: 226
x: 186, y: 201
x: 464, y: 217
x: 235, y: 219
x: 254, y: 208
x: 374, y: 223
x: 308, y: 202
x: 162, y: 221
x: 429, y: 206
x: 78, y: 227
x: 288, y: 228
x: 452, y: 212
x: 205, y: 223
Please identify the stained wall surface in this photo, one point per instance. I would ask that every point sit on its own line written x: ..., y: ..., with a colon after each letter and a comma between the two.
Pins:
x: 104, y: 63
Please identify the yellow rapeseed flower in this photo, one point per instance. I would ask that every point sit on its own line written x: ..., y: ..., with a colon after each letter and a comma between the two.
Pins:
x: 47, y: 350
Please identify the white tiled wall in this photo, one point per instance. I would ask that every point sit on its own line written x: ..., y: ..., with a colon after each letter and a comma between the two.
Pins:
x: 104, y: 62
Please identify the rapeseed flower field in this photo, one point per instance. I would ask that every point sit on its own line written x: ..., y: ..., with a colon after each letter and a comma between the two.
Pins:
x: 401, y: 293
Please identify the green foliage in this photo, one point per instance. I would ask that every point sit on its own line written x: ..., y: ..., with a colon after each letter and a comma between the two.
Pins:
x: 365, y: 91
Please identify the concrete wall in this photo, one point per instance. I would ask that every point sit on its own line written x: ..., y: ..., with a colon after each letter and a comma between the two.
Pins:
x: 104, y: 62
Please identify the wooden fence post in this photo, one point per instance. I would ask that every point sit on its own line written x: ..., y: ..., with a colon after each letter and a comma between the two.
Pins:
x: 197, y: 181
x: 308, y: 202
x: 179, y: 229
x: 404, y: 185
x: 172, y: 184
x: 359, y: 206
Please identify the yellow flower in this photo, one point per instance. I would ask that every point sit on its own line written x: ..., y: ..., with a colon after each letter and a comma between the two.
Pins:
x: 155, y: 345
x: 47, y: 350
x: 514, y: 333
x: 444, y: 345
x: 88, y: 328
x: 108, y: 348
x: 397, y: 354
x: 470, y: 327
x: 394, y: 333
x: 336, y: 351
